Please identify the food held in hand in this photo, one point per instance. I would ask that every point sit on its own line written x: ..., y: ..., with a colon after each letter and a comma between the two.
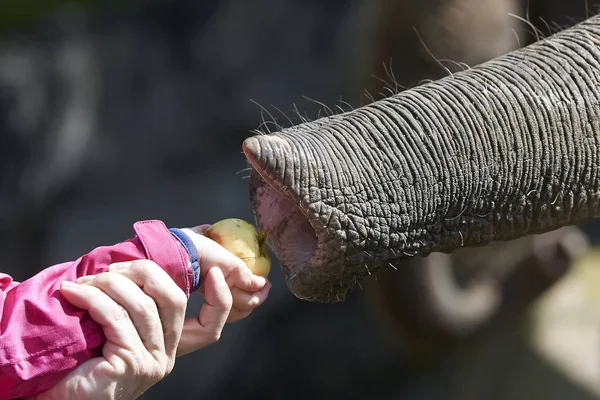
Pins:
x: 243, y: 240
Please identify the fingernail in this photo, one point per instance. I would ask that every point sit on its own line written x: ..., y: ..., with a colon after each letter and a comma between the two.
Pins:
x: 119, y: 265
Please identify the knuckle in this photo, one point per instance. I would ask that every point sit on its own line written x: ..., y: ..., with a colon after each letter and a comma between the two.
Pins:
x: 241, y: 265
x: 147, y: 307
x: 237, y: 265
x: 120, y: 313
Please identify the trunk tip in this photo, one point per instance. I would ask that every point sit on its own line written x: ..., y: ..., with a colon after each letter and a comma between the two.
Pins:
x: 251, y: 149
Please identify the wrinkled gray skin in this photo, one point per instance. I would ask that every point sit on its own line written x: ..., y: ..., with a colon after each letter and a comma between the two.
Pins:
x: 497, y: 152
x: 435, y: 300
x: 434, y: 303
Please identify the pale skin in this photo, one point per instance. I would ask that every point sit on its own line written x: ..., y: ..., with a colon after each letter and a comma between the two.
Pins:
x: 142, y: 312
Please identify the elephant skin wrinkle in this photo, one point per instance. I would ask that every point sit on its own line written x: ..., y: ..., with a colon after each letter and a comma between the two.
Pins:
x: 502, y: 150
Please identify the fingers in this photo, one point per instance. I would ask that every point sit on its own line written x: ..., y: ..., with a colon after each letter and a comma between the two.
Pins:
x: 134, y: 355
x: 140, y: 307
x: 248, y: 290
x: 211, y: 254
x: 245, y: 301
x: 170, y: 300
x: 241, y: 277
x: 118, y: 327
x: 201, y: 331
x: 217, y: 306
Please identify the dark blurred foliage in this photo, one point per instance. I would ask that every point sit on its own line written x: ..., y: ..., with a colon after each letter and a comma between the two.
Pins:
x: 112, y: 112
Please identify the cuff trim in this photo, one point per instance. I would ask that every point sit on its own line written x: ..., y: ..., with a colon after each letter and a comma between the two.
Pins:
x: 189, y: 246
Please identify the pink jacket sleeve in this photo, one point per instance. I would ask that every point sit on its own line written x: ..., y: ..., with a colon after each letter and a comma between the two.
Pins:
x: 43, y: 337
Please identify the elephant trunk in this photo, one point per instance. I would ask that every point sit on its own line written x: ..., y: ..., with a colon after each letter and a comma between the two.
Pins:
x: 502, y: 150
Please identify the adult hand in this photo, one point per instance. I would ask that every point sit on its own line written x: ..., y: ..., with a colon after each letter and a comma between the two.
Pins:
x: 249, y: 291
x: 142, y: 313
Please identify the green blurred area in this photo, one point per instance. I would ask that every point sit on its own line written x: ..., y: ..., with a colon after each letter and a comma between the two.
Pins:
x: 22, y: 14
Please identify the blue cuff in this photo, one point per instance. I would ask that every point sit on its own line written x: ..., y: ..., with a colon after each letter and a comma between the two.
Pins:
x: 191, y: 249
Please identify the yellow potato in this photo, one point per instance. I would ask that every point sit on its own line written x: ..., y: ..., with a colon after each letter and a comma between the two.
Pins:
x: 243, y: 240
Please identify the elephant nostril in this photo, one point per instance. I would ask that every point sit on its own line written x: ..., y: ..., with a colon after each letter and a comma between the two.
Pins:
x: 289, y: 233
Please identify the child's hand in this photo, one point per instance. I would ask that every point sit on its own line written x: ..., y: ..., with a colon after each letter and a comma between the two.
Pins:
x: 248, y: 290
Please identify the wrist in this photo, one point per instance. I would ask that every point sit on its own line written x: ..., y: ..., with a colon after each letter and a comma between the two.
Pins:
x: 198, y: 238
x: 186, y: 240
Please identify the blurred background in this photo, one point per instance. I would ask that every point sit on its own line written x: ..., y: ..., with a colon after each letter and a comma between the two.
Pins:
x: 112, y: 112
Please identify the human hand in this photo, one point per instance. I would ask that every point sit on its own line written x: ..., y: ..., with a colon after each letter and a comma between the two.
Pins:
x: 142, y: 313
x: 248, y: 290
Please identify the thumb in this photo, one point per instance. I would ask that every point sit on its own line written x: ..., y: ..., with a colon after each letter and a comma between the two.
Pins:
x: 206, y: 328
